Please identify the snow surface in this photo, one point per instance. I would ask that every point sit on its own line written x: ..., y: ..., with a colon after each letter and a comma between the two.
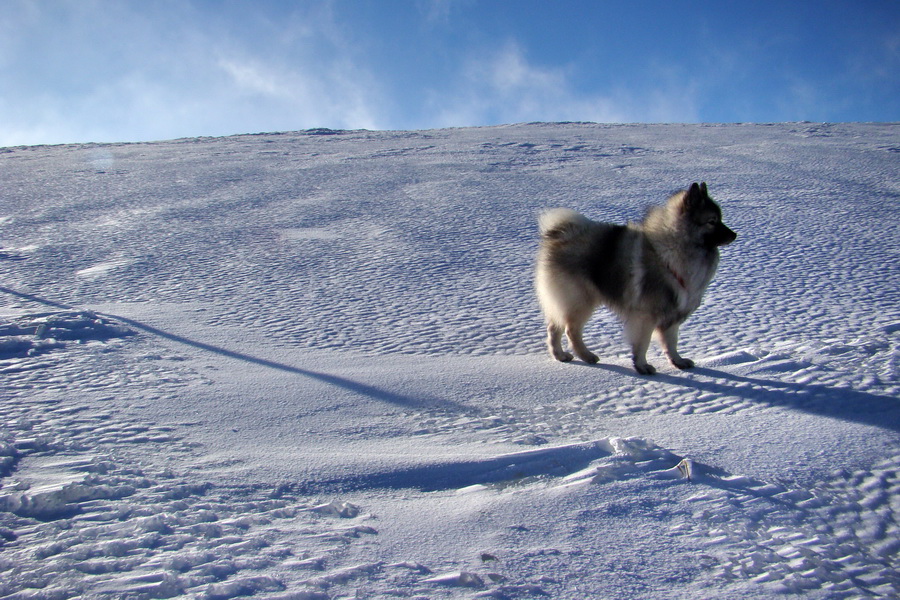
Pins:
x: 311, y: 365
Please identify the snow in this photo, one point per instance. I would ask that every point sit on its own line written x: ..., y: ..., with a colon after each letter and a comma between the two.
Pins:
x: 311, y: 365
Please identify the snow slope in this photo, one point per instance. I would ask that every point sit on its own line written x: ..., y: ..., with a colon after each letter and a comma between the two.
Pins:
x: 310, y: 365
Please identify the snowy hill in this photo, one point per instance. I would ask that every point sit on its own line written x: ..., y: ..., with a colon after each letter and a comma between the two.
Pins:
x: 311, y: 365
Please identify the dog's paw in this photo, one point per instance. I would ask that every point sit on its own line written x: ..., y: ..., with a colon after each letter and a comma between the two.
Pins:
x: 683, y: 363
x: 645, y: 368
x: 563, y: 356
x: 590, y: 358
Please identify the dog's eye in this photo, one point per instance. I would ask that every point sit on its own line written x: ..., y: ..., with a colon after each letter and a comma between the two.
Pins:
x: 713, y: 221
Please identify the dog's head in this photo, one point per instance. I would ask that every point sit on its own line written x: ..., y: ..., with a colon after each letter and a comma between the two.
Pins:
x: 705, y: 217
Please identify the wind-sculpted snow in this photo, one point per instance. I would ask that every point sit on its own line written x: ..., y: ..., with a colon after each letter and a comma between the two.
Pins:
x: 311, y: 365
x: 34, y: 334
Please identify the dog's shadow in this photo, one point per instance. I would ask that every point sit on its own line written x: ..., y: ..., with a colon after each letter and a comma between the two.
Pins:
x: 836, y: 403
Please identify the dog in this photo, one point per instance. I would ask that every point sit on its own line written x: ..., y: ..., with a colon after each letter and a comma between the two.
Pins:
x: 651, y: 274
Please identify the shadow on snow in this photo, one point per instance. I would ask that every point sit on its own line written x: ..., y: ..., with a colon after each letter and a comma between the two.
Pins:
x: 356, y: 387
x: 837, y: 403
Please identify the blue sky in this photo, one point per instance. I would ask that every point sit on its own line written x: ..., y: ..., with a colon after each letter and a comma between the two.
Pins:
x: 139, y: 70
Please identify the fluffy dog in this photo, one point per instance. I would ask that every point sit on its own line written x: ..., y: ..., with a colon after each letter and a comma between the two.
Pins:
x: 651, y: 274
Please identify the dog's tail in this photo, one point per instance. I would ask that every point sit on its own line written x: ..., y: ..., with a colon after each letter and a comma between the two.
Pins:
x: 561, y: 223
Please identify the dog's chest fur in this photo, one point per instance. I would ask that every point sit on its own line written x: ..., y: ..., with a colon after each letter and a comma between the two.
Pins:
x: 687, y: 270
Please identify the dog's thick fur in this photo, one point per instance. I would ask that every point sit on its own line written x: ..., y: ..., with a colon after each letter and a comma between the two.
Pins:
x: 651, y: 274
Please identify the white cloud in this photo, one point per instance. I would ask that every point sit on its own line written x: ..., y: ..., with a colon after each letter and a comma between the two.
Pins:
x: 128, y: 72
x: 504, y: 87
x: 253, y: 78
x: 436, y: 11
x: 510, y: 74
x: 340, y: 95
x: 312, y: 74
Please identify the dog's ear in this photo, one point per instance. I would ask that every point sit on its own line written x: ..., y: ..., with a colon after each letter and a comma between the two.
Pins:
x: 703, y: 189
x: 693, y: 199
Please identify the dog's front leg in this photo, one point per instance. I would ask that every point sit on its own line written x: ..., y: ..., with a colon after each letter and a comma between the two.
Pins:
x: 669, y: 338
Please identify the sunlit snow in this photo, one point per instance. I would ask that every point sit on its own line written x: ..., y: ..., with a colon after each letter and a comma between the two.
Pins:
x: 311, y: 365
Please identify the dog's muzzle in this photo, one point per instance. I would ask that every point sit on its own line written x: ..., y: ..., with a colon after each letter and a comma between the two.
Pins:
x: 723, y: 236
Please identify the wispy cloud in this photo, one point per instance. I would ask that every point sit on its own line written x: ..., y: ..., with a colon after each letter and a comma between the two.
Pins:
x: 340, y: 95
x: 503, y: 86
x: 254, y: 79
x: 438, y: 12
x: 124, y: 72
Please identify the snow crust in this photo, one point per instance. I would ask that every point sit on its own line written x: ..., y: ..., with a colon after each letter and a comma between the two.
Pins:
x: 310, y: 365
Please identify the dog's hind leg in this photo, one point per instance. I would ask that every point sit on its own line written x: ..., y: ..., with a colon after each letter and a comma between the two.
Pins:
x: 639, y: 331
x: 554, y: 343
x: 669, y: 338
x: 574, y: 329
